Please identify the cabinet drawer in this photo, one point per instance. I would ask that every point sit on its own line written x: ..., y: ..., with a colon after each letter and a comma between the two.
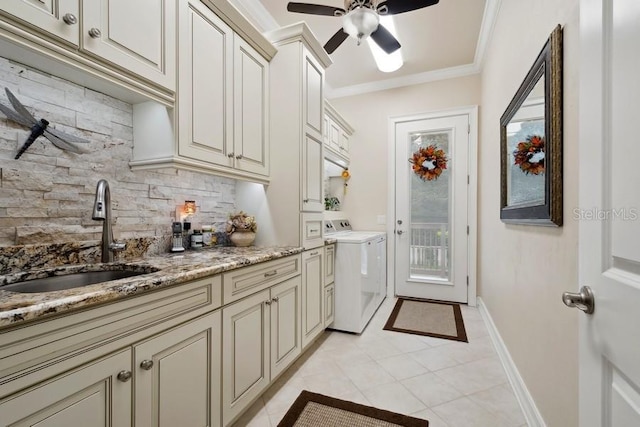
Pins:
x: 311, y: 230
x: 240, y: 283
x: 46, y: 346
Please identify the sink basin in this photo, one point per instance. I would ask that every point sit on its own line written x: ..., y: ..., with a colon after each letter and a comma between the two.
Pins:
x: 69, y: 281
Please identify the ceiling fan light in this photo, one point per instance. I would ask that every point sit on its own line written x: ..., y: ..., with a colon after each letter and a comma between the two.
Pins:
x: 360, y: 23
x: 387, y: 63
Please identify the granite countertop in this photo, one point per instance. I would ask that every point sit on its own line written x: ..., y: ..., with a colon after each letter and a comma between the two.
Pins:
x: 160, y: 271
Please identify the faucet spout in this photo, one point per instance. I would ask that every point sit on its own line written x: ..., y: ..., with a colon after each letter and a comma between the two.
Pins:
x: 102, y: 212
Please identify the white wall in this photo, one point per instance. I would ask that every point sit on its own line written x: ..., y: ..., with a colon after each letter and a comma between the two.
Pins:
x: 366, y: 196
x: 523, y: 270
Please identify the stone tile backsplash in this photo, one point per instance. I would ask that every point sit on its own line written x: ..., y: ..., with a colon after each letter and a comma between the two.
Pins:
x: 47, y: 195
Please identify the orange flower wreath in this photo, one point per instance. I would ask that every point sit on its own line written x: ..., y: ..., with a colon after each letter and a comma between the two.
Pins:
x: 529, y: 155
x: 429, y: 162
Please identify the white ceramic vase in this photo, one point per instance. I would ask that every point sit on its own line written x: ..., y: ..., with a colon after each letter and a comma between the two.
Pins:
x: 242, y: 238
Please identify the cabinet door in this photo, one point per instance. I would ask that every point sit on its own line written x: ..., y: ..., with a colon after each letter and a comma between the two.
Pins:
x: 334, y: 136
x: 312, y: 295
x: 344, y: 143
x: 138, y: 36
x: 313, y: 95
x: 205, y: 98
x: 329, y: 264
x: 329, y: 308
x: 177, y: 376
x: 48, y: 16
x: 91, y: 396
x: 312, y: 170
x: 251, y: 100
x: 245, y: 353
x: 285, y: 324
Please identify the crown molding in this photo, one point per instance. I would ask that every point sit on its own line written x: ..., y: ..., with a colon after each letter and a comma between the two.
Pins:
x: 491, y: 10
x: 256, y: 13
x: 409, y: 80
x: 300, y: 32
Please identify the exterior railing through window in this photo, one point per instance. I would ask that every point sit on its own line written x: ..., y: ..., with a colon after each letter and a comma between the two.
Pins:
x: 429, y: 250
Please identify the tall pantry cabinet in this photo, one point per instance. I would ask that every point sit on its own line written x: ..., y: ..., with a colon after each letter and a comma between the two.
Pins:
x: 293, y: 203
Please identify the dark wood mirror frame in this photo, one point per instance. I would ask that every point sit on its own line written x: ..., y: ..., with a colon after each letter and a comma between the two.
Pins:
x: 549, y: 213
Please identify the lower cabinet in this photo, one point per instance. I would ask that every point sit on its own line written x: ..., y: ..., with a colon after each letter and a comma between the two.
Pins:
x: 312, y: 295
x: 95, y: 394
x: 177, y: 376
x: 261, y: 337
x: 164, y: 387
x: 329, y: 297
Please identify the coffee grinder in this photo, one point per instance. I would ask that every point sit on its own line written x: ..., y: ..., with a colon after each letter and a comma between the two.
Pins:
x: 176, y: 240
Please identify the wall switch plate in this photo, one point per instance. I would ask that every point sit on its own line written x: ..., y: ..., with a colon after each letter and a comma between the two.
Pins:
x: 382, y: 219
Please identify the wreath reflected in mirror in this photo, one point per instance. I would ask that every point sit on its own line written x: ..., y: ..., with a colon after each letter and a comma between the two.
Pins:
x: 429, y: 162
x: 529, y: 155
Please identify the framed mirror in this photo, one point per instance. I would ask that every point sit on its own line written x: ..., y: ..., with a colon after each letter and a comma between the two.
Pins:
x: 531, y: 143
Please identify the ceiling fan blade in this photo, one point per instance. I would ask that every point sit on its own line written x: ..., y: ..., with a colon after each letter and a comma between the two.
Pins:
x: 335, y: 41
x: 385, y: 39
x: 315, y: 9
x: 400, y: 6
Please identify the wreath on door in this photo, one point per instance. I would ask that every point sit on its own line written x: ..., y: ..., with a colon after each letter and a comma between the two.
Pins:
x: 428, y: 162
x: 529, y: 155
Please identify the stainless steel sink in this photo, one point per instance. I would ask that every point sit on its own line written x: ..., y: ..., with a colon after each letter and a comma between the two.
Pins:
x: 69, y: 281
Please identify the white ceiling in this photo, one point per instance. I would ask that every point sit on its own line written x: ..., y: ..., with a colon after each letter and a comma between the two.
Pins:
x: 443, y: 40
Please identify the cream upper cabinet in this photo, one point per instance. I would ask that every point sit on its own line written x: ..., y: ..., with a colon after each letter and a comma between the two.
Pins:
x: 251, y: 98
x: 312, y: 295
x: 338, y: 140
x: 222, y: 105
x: 96, y: 394
x: 177, y: 375
x: 57, y: 18
x: 138, y: 36
x: 205, y: 95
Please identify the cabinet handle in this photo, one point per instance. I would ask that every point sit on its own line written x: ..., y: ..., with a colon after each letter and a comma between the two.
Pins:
x: 271, y: 273
x: 70, y: 19
x: 124, y: 376
x: 305, y: 201
x: 313, y: 230
x: 230, y: 155
x: 314, y: 252
x: 239, y: 156
x: 268, y: 302
x: 275, y: 299
x: 95, y: 33
x: 146, y: 364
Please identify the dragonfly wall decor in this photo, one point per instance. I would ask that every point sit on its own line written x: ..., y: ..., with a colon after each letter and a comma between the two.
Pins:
x: 20, y: 115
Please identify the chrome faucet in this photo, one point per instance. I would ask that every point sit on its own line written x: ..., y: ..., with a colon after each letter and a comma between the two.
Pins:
x: 102, y: 212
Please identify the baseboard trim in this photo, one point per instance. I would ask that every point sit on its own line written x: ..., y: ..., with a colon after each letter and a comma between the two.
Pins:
x: 528, y: 406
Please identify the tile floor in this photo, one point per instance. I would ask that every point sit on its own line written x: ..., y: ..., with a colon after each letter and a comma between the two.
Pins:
x: 449, y: 383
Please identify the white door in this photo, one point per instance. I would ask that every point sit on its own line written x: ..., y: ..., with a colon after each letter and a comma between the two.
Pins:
x: 609, y: 212
x: 431, y: 248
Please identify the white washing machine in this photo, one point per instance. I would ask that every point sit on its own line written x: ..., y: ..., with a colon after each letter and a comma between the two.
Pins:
x: 360, y: 274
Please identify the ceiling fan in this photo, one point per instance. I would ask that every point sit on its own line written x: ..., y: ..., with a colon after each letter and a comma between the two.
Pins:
x: 361, y: 19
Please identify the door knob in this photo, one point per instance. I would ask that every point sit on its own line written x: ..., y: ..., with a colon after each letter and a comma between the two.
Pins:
x: 582, y: 300
x: 399, y: 232
x: 70, y: 19
x: 146, y: 364
x: 124, y: 376
x: 95, y: 33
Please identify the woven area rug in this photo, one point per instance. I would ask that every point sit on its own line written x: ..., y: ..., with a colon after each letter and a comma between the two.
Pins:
x: 431, y: 318
x: 317, y: 410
